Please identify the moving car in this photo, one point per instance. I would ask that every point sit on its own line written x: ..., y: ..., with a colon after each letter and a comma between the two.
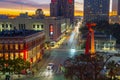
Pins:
x: 50, y: 66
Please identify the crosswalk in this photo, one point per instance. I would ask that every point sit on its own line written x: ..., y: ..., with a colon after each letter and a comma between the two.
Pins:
x: 68, y: 50
x: 49, y: 73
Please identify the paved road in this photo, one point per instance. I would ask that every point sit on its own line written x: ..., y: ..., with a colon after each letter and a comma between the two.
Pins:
x: 67, y: 49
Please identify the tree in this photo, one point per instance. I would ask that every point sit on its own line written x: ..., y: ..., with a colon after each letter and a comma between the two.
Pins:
x: 113, y: 69
x: 85, y: 67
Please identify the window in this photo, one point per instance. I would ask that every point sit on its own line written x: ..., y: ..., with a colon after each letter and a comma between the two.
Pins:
x: 6, y: 25
x: 37, y: 26
x: 16, y: 55
x: 2, y: 25
x: 6, y: 56
x: 11, y: 46
x: 6, y: 46
x: 41, y: 26
x: 21, y: 46
x: 11, y: 56
x: 16, y: 46
x: 1, y: 55
x: 22, y: 55
x: 33, y: 26
x: 1, y: 47
x: 10, y: 25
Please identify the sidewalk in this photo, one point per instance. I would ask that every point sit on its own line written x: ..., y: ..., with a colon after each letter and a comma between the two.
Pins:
x: 12, y: 77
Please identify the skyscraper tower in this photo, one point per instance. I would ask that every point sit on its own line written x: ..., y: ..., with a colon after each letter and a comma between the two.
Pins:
x: 118, y: 7
x: 114, y: 7
x: 96, y: 10
x: 62, y: 8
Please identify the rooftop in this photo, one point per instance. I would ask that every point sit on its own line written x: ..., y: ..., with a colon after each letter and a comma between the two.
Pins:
x: 17, y: 33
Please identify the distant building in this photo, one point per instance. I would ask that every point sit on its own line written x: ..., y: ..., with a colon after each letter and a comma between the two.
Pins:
x: 114, y: 19
x: 102, y: 42
x: 62, y: 8
x: 39, y: 14
x: 118, y: 7
x: 3, y: 17
x: 115, y: 7
x: 96, y: 10
x: 23, y: 15
x: 25, y: 44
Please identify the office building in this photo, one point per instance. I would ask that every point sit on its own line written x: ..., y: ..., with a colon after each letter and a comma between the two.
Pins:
x: 62, y: 8
x: 96, y: 10
x: 118, y: 7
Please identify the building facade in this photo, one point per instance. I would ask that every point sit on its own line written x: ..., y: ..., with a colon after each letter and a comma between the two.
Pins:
x: 52, y: 26
x: 62, y: 8
x: 25, y: 44
x: 96, y: 10
x: 102, y: 42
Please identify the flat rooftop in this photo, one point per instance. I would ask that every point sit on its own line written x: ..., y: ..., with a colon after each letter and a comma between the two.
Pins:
x: 17, y: 33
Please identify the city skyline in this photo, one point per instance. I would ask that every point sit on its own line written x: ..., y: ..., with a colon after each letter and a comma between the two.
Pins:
x: 14, y: 7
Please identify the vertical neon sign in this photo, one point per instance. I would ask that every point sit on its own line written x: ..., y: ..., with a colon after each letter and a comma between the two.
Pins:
x: 70, y: 1
x: 51, y: 30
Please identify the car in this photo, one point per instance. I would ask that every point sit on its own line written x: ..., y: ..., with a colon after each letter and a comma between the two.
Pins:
x: 50, y: 66
x: 118, y: 62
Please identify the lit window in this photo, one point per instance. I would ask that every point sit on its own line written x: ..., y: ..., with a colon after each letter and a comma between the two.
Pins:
x: 21, y: 55
x: 11, y: 46
x: 6, y: 46
x: 6, y: 56
x: 21, y: 46
x: 16, y: 46
x: 1, y: 46
x: 11, y: 56
x: 16, y: 55
x: 1, y: 55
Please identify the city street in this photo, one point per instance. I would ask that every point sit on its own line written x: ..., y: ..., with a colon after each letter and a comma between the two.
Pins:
x: 58, y: 55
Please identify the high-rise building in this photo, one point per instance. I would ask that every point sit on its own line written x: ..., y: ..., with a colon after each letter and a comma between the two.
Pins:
x: 96, y: 10
x: 118, y: 7
x: 62, y: 8
x: 114, y: 7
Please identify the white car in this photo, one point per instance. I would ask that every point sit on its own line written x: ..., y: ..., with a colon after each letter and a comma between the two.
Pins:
x: 50, y: 66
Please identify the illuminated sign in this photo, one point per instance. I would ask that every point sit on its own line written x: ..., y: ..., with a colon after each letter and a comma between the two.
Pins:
x: 70, y: 1
x: 51, y: 29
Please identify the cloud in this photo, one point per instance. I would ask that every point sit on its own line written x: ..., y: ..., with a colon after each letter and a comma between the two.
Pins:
x: 32, y: 5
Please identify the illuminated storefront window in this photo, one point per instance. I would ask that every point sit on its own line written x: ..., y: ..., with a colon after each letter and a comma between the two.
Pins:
x: 16, y: 55
x: 6, y: 56
x: 22, y: 55
x: 1, y: 55
x: 11, y: 56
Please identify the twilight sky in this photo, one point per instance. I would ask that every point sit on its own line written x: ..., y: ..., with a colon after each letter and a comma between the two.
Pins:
x: 14, y: 7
